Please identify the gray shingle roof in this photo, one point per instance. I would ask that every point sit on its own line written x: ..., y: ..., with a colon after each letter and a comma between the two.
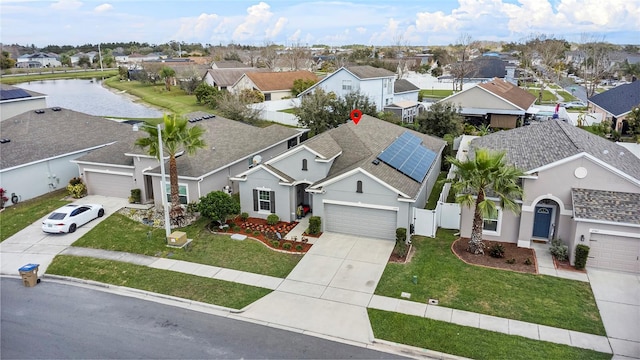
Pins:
x: 362, y: 143
x: 227, y: 141
x: 35, y: 137
x: 403, y: 85
x: 533, y: 146
x: 613, y: 206
x: 229, y: 76
x: 368, y: 72
x: 619, y: 100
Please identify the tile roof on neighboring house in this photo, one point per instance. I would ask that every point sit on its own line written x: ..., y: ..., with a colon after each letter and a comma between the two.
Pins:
x: 403, y: 85
x: 273, y: 81
x: 228, y: 77
x: 533, y: 146
x: 618, y: 100
x: 611, y: 206
x: 38, y: 136
x: 227, y: 141
x: 506, y: 90
x: 362, y: 143
x: 369, y: 72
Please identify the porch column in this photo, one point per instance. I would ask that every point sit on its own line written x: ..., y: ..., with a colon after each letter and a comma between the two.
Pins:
x: 526, y: 228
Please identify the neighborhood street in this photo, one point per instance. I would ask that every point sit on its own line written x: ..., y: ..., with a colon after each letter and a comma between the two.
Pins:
x: 57, y: 321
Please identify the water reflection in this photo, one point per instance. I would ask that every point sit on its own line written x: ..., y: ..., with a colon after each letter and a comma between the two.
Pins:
x: 90, y: 97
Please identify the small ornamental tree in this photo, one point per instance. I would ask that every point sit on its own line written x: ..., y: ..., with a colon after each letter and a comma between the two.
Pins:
x: 217, y: 205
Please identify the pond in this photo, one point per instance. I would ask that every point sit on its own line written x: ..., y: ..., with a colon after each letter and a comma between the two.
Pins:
x: 90, y: 97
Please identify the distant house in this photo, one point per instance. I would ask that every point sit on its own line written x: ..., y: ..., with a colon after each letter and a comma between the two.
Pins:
x: 228, y: 64
x: 120, y: 57
x: 15, y: 101
x: 616, y: 103
x: 375, y: 83
x: 45, y: 60
x: 273, y: 85
x: 497, y: 103
x: 223, y: 78
x: 76, y: 57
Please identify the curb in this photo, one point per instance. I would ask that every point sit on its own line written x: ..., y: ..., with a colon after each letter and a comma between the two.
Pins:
x: 412, y: 351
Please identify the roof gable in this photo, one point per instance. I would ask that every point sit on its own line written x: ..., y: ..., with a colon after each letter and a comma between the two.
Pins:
x: 403, y: 85
x: 535, y: 146
x: 228, y: 77
x: 369, y: 72
x: 619, y: 100
x: 509, y: 92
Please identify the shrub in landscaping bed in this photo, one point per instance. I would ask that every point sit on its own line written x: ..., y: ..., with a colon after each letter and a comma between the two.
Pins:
x: 314, y: 225
x: 401, y: 234
x: 559, y: 250
x: 582, y: 251
x: 272, y: 219
x: 496, y: 251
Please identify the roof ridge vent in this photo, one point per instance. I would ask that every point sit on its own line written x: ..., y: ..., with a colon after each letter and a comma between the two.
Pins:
x: 40, y: 111
x: 56, y: 108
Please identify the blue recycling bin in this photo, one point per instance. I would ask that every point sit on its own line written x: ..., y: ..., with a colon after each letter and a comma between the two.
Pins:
x: 29, y: 274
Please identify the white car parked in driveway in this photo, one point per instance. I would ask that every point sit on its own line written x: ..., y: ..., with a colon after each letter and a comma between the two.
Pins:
x: 69, y: 217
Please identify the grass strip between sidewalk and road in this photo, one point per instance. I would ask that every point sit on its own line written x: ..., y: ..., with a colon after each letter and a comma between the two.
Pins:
x: 192, y: 287
x: 534, y: 298
x: 17, y: 217
x: 468, y: 341
x: 120, y: 233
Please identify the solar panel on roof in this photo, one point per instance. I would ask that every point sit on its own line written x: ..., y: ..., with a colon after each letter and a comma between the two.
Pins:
x: 408, y: 155
x: 10, y: 94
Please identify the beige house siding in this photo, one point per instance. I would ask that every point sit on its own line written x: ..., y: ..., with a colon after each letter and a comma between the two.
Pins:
x: 476, y: 97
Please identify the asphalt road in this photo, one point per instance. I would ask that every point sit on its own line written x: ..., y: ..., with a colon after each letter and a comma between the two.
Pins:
x: 60, y: 321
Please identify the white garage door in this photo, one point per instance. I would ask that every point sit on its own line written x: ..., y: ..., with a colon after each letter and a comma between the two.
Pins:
x: 614, y: 252
x: 115, y: 185
x: 360, y: 221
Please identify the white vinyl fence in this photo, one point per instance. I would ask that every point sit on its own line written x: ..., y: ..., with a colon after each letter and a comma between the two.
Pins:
x: 446, y: 215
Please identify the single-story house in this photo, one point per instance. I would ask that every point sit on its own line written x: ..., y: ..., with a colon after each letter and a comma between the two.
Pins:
x: 225, y: 77
x: 498, y: 103
x: 232, y: 147
x: 15, y: 101
x: 578, y: 187
x: 616, y: 103
x: 362, y: 179
x: 39, y: 145
x: 273, y: 85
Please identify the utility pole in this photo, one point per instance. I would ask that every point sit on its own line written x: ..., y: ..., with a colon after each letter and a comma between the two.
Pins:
x: 100, y: 55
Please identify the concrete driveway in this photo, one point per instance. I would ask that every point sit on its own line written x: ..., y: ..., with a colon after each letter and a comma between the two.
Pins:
x: 32, y: 245
x: 329, y: 290
x: 618, y: 298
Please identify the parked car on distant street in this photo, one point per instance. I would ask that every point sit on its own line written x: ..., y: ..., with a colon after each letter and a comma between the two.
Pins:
x: 573, y: 104
x: 69, y: 217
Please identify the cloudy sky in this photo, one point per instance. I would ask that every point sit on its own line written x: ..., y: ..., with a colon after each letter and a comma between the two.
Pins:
x: 369, y: 22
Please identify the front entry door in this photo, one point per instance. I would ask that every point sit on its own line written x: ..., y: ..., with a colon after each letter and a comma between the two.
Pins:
x: 542, y: 222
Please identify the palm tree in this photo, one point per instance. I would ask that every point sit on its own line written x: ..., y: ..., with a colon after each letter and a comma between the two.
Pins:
x: 485, y: 173
x: 167, y: 74
x: 176, y: 137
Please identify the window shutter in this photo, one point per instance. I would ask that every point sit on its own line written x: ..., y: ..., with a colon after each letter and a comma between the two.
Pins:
x: 272, y: 198
x: 255, y: 199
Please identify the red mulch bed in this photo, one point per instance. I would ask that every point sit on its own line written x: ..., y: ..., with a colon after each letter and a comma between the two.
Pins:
x: 259, y: 230
x: 566, y: 265
x: 511, y: 251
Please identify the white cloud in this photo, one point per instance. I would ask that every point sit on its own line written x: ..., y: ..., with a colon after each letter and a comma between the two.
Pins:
x: 388, y: 34
x: 103, y: 7
x: 195, y: 28
x: 276, y: 29
x: 258, y: 15
x: 295, y: 37
x: 361, y: 30
x: 66, y: 5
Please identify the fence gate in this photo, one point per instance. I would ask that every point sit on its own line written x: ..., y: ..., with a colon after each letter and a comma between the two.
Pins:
x: 425, y: 222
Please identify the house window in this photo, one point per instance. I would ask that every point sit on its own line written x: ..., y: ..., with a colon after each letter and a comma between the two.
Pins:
x: 491, y: 224
x: 346, y: 85
x: 182, y: 193
x: 264, y: 200
x: 359, y: 187
x: 304, y: 164
x: 292, y: 142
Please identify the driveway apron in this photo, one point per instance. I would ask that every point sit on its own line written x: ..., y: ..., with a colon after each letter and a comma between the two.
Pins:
x: 618, y: 298
x: 330, y: 288
x: 32, y: 245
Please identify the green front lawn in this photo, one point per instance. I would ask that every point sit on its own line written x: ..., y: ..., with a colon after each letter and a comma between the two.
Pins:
x: 468, y: 341
x: 17, y: 217
x: 432, y: 202
x: 435, y: 94
x: 212, y: 291
x: 131, y: 236
x: 547, y: 96
x: 538, y: 299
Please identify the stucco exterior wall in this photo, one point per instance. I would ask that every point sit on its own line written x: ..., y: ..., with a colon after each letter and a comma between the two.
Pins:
x: 479, y: 98
x: 292, y: 166
x: 263, y: 180
x: 11, y: 108
x: 586, y: 228
x: 508, y: 226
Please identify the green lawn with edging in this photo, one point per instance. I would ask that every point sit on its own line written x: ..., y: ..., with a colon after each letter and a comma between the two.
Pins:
x: 435, y: 94
x: 467, y: 341
x: 120, y: 233
x: 17, y: 217
x: 538, y: 299
x: 48, y: 75
x: 192, y: 287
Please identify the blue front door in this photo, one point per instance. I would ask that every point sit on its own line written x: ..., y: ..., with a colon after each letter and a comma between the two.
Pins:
x: 542, y: 222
